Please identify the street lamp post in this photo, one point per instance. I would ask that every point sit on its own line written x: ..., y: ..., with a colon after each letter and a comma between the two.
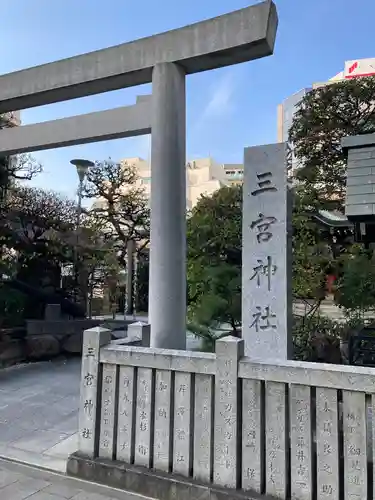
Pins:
x: 82, y: 167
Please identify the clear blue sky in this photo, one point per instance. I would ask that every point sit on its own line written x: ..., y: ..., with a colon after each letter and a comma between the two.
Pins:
x: 227, y: 109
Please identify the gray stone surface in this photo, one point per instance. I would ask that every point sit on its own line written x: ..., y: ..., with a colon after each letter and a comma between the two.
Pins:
x: 351, y: 378
x: 203, y: 427
x: 89, y: 416
x: 327, y: 443
x: 226, y: 451
x: 140, y: 331
x: 252, y: 436
x: 266, y: 263
x: 18, y: 482
x: 150, y: 483
x: 39, y: 412
x: 126, y: 121
x: 301, y: 442
x: 355, y: 446
x: 233, y: 38
x: 276, y: 461
x: 182, y: 436
x: 143, y: 451
x: 163, y: 359
x: 168, y: 209
x: 126, y: 420
x: 108, y: 411
x: 162, y: 430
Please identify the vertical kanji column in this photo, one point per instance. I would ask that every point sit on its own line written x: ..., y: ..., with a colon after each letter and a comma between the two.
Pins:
x: 266, y: 253
x: 89, y: 409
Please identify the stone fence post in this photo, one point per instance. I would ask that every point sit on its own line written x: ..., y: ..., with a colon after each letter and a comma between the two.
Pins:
x: 226, y: 440
x: 139, y: 332
x: 89, y: 418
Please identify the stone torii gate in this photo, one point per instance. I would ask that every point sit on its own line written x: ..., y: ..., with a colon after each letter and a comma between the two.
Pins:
x: 164, y: 60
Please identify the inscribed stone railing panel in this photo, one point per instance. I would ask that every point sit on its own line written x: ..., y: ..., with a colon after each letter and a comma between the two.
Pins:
x: 317, y: 433
x: 289, y: 429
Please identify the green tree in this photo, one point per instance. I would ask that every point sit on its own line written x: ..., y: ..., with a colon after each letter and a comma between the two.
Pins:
x: 214, y: 233
x: 312, y: 256
x: 356, y: 287
x: 324, y: 116
x: 38, y: 235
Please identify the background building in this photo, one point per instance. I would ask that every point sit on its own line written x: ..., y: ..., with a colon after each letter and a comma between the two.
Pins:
x: 233, y: 173
x: 204, y: 176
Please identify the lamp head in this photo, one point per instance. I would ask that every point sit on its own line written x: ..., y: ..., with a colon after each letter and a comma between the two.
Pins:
x: 82, y: 167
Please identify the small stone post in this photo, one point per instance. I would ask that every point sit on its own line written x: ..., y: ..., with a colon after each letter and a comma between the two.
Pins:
x: 89, y: 418
x: 140, y: 331
x: 226, y: 455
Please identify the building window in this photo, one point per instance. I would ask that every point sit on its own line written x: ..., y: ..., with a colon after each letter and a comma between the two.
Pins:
x: 145, y: 180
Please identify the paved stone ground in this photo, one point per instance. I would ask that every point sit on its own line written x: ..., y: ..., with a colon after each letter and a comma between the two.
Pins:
x: 18, y: 482
x: 39, y: 412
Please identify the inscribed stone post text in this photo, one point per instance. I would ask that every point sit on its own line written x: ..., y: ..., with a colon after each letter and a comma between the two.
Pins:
x: 93, y: 339
x: 266, y: 253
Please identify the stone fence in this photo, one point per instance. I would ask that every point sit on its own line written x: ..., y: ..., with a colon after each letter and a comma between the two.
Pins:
x: 163, y: 422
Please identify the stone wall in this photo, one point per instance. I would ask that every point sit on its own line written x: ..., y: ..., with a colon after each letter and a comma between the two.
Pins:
x: 47, y: 339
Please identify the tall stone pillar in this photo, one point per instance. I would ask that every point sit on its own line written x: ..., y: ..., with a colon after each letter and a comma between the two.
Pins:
x: 267, y: 253
x: 167, y: 291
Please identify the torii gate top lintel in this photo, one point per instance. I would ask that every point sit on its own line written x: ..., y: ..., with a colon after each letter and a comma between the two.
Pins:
x: 237, y: 37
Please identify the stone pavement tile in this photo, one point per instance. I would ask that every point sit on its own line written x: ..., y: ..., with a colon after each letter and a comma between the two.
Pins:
x: 64, y: 448
x: 39, y: 422
x: 105, y: 494
x: 39, y: 441
x: 67, y: 425
x: 65, y: 406
x: 22, y: 489
x: 54, y: 463
x: 8, y: 477
x: 83, y: 495
x: 11, y: 432
x: 63, y: 489
x: 44, y: 485
x: 41, y: 495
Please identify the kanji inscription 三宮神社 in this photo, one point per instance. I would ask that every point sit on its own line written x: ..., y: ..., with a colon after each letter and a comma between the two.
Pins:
x: 266, y: 253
